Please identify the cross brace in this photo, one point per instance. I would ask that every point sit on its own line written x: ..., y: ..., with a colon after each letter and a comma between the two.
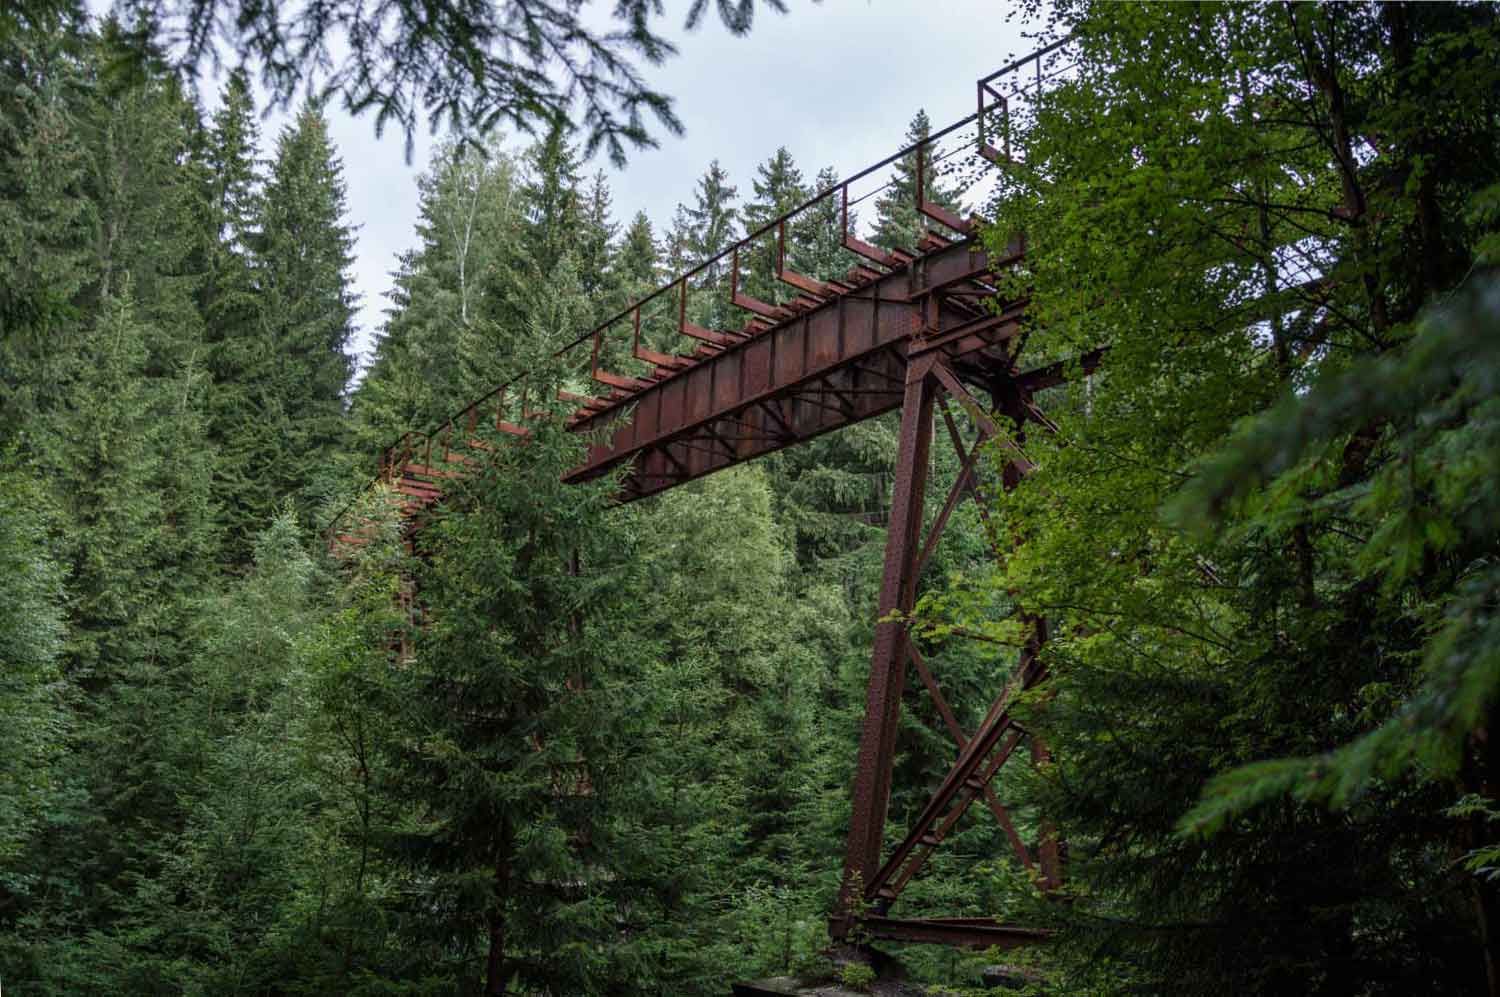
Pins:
x: 870, y: 884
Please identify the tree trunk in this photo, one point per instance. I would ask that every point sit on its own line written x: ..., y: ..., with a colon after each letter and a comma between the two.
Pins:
x: 495, y: 974
x: 1480, y: 770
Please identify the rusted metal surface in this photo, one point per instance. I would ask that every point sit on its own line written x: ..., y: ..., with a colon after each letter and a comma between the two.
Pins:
x: 981, y: 755
x: 974, y: 932
x: 829, y: 367
x: 870, y: 796
x: 906, y: 327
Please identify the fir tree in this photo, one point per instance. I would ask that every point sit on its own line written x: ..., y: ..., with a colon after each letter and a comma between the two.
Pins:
x: 551, y: 201
x: 595, y: 251
x: 898, y: 224
x: 241, y: 351
x: 778, y: 188
x: 304, y: 251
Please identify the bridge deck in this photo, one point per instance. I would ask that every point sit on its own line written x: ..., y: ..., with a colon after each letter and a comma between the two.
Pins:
x: 902, y: 327
x: 839, y: 362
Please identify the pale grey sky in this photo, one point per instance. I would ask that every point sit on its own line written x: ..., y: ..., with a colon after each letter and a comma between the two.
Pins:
x: 836, y: 83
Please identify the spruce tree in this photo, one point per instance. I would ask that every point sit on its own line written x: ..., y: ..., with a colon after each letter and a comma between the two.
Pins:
x: 47, y: 223
x: 711, y: 219
x: 778, y: 188
x: 128, y: 641
x: 456, y: 298
x: 677, y: 249
x: 524, y: 694
x: 551, y: 200
x: 816, y: 247
x: 33, y: 724
x: 241, y: 351
x: 595, y: 253
x: 640, y: 269
x: 898, y: 224
x: 639, y: 259
x: 303, y: 254
x: 249, y: 806
x: 740, y: 663
x: 699, y: 233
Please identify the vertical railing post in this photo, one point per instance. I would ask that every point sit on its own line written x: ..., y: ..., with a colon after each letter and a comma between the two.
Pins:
x: 682, y: 304
x: 921, y: 178
x: 979, y: 89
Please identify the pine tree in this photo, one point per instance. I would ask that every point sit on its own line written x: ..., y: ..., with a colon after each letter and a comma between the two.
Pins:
x: 778, y: 188
x: 304, y: 251
x: 699, y: 233
x: 241, y: 351
x: 551, y: 201
x: 595, y: 252
x: 898, y: 224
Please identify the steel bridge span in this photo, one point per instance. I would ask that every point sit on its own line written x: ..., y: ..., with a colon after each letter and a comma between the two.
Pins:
x: 910, y: 329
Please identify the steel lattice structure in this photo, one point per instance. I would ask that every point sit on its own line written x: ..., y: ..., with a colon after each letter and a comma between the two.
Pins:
x: 904, y: 329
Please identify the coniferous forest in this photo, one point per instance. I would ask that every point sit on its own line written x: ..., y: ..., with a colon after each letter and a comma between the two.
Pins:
x: 560, y: 746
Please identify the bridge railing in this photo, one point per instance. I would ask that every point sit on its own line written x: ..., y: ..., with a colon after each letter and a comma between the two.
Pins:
x: 1007, y: 98
x: 1004, y: 99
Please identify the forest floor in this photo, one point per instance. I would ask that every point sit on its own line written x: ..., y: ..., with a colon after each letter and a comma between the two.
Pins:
x: 790, y: 986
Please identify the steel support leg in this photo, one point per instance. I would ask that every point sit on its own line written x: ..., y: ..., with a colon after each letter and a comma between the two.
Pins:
x: 872, y: 774
x: 870, y: 886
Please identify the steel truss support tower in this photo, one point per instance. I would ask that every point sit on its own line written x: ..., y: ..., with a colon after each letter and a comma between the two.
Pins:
x: 870, y: 885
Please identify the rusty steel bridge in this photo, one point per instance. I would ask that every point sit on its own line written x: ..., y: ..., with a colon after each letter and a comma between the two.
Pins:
x: 908, y: 329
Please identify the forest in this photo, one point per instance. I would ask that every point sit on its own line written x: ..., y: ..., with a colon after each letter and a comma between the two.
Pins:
x: 558, y: 745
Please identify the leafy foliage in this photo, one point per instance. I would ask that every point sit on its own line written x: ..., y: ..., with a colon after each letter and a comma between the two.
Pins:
x: 550, y: 745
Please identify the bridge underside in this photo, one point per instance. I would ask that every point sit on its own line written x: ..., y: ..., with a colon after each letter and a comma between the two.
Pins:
x: 907, y: 330
x: 909, y: 337
x: 833, y: 365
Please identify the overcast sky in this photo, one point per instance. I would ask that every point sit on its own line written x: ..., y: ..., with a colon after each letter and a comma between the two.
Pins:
x: 836, y: 83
